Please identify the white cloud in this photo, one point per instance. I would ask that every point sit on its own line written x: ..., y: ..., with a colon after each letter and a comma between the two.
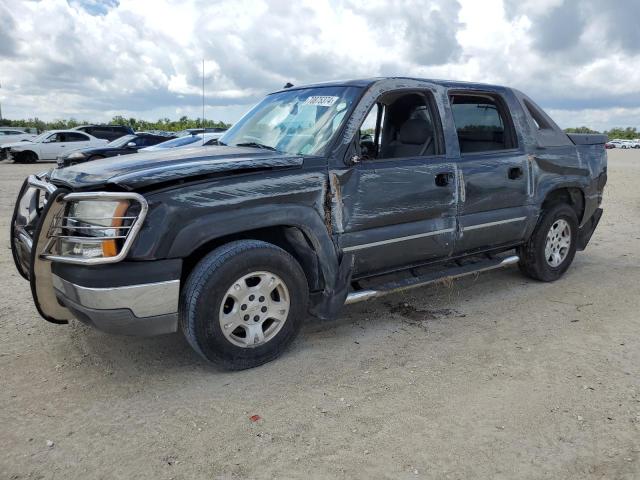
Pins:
x: 94, y: 59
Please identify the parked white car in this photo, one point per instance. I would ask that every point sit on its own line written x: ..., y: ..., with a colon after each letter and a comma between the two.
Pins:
x: 48, y: 145
x: 187, y: 141
x: 11, y: 135
x: 8, y: 135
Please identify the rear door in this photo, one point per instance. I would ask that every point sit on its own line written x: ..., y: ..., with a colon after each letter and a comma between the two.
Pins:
x: 398, y: 202
x: 493, y: 166
x: 75, y: 140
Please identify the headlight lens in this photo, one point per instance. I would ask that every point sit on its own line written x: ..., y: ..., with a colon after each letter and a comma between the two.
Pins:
x: 95, y: 228
x: 76, y: 156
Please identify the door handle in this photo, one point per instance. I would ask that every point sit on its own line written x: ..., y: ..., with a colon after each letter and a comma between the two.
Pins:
x: 515, y: 173
x: 443, y: 179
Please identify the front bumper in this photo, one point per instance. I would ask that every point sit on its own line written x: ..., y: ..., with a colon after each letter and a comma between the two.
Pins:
x: 131, y: 298
x: 142, y: 309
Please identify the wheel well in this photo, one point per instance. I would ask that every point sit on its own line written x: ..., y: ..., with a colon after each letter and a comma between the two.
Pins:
x: 25, y: 153
x: 290, y: 239
x: 572, y: 196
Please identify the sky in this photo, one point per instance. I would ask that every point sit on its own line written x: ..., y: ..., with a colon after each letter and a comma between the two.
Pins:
x: 92, y: 59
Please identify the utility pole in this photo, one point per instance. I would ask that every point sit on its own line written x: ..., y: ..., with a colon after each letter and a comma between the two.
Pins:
x: 203, y: 126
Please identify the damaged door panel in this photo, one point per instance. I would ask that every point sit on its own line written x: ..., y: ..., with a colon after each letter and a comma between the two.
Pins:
x: 395, y: 214
x: 496, y: 207
x: 398, y: 200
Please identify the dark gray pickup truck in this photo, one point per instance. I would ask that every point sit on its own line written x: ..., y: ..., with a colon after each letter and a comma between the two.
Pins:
x: 320, y: 196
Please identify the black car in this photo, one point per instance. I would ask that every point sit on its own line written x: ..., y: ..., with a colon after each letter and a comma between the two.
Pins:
x: 122, y: 146
x: 290, y: 216
x: 108, y: 132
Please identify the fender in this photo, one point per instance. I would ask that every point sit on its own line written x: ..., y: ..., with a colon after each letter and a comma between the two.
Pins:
x: 208, y: 227
x: 589, y: 194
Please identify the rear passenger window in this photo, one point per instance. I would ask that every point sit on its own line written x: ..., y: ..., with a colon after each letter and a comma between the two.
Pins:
x: 482, y: 123
x: 75, y: 137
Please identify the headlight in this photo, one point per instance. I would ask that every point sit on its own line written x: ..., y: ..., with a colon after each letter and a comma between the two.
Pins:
x: 96, y: 227
x: 76, y: 156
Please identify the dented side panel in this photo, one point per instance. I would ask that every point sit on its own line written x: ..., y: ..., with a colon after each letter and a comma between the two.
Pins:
x: 182, y: 219
x: 391, y: 212
x: 496, y: 209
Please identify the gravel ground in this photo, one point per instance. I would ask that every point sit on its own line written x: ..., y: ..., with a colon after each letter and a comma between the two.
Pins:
x: 492, y: 377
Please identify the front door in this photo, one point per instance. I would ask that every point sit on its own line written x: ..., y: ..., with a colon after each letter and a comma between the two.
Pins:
x: 397, y: 204
x: 53, y: 146
x: 494, y: 199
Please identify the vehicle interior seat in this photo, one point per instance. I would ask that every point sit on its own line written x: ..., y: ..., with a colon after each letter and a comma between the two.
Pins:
x: 414, y: 138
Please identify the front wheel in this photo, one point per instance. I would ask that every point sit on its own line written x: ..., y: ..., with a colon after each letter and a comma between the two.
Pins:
x: 26, y: 157
x: 551, y: 248
x: 243, y: 304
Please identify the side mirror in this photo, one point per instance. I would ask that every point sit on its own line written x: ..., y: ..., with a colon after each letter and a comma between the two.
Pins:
x: 354, y: 159
x: 131, y: 145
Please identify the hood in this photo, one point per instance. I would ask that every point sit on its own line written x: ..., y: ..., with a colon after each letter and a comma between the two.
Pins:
x: 19, y: 143
x: 140, y: 170
x: 91, y: 150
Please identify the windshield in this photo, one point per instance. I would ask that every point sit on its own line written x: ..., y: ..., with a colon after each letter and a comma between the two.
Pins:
x: 297, y: 121
x: 41, y: 137
x: 121, y: 142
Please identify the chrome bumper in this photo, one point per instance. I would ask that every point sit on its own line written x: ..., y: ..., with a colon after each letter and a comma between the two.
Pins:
x: 146, y: 309
x: 26, y: 216
x: 140, y: 309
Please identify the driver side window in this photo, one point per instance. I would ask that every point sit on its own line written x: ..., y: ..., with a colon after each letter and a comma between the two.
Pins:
x: 400, y: 125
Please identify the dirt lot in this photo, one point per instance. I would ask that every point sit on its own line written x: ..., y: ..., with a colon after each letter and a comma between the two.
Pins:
x: 493, y: 377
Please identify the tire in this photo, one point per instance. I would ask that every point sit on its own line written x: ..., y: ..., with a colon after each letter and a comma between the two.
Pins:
x: 205, y: 301
x: 95, y: 157
x: 534, y: 261
x: 26, y: 157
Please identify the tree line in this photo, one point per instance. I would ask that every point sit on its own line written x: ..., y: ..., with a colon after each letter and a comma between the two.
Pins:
x: 164, y: 124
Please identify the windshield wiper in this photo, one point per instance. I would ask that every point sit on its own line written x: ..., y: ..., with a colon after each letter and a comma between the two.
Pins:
x: 256, y: 145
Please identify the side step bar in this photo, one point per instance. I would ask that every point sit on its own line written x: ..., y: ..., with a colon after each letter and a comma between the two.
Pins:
x: 414, y: 282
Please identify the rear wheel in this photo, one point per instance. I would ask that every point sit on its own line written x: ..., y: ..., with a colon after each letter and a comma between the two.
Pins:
x: 552, y: 246
x: 243, y: 304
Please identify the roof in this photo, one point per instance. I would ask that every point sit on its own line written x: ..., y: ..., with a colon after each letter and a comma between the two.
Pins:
x: 70, y: 130
x: 367, y: 82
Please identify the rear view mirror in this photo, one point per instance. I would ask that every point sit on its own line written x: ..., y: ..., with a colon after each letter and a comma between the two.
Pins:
x: 131, y: 145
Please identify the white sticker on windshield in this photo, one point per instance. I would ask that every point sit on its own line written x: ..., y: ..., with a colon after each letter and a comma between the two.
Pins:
x: 321, y: 101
